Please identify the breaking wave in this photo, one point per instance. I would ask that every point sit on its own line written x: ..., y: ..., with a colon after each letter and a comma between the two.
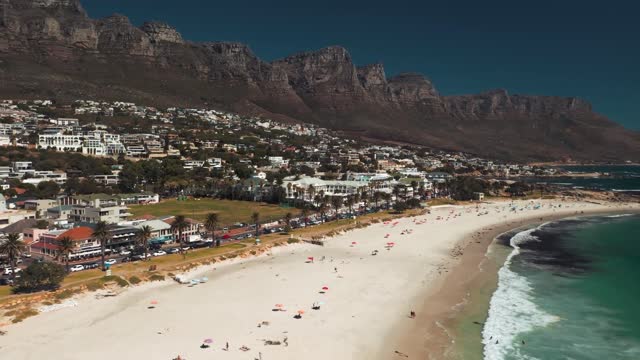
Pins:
x: 512, y: 310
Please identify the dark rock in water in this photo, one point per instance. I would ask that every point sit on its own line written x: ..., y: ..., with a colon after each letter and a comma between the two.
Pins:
x: 52, y: 48
x: 552, y: 252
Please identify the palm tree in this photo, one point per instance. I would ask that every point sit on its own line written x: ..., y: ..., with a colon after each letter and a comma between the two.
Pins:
x: 349, y: 203
x: 376, y: 198
x: 180, y: 224
x: 305, y: 215
x: 255, y: 219
x: 356, y: 201
x: 12, y: 247
x: 65, y: 247
x: 143, y: 237
x: 102, y: 235
x: 211, y: 224
x: 364, y: 196
x: 323, y: 211
x: 336, y: 202
x: 287, y: 220
x: 387, y: 198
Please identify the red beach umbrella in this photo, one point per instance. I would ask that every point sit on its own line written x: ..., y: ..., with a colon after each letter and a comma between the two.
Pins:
x: 325, y: 288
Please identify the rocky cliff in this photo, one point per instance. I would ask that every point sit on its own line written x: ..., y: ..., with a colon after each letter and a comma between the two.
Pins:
x: 51, y: 48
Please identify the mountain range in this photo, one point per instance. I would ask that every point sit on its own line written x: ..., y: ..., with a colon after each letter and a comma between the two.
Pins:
x: 53, y: 49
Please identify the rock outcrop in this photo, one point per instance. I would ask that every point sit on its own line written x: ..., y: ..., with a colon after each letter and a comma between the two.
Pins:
x: 51, y: 48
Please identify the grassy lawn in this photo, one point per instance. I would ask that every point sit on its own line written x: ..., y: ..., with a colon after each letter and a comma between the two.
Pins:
x: 229, y: 211
x: 5, y: 291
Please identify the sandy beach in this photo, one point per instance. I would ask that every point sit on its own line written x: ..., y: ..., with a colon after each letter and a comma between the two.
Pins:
x: 363, y: 312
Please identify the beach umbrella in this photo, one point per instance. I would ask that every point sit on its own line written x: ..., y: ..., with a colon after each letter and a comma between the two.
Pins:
x: 310, y: 258
x: 300, y: 312
x: 325, y: 288
x: 154, y: 302
x: 279, y: 305
x: 208, y: 341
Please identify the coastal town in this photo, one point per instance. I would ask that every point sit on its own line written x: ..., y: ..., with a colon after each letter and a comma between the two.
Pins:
x: 100, y: 196
x: 67, y: 167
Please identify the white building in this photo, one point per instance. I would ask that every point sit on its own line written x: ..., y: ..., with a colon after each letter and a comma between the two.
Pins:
x: 60, y: 142
x: 192, y: 164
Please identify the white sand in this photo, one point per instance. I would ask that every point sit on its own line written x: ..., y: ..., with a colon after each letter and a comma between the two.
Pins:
x: 368, y: 299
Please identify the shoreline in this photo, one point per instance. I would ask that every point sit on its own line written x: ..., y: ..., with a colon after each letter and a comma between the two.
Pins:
x: 366, y: 291
x: 460, y: 299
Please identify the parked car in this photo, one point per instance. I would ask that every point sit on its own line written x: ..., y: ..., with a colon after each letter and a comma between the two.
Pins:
x: 159, y: 253
x: 125, y: 252
x: 75, y: 268
x: 173, y: 250
x: 9, y: 271
x: 27, y: 255
x: 91, y: 265
x: 110, y: 261
x: 141, y: 256
x: 4, y: 281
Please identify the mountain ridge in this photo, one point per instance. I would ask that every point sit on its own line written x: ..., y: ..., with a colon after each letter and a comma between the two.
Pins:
x: 52, y: 48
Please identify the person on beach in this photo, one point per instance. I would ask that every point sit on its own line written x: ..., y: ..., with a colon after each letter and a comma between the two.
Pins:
x: 226, y: 348
x: 412, y: 314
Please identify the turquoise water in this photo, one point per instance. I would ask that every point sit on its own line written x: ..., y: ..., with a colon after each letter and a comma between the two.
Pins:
x: 569, y: 290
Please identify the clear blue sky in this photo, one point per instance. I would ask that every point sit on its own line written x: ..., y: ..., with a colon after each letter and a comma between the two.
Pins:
x: 563, y: 47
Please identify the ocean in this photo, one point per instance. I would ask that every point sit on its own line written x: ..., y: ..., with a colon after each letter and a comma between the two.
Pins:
x: 621, y: 178
x: 569, y: 289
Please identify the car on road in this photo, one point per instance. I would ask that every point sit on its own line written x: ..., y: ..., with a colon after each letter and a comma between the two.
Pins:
x: 27, y: 255
x: 173, y: 250
x: 75, y: 268
x: 9, y: 271
x: 110, y: 261
x: 91, y: 265
x: 4, y: 281
x: 159, y: 253
x: 125, y: 252
x: 141, y: 256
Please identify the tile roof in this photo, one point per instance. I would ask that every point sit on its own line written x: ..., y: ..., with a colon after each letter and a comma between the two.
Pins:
x: 78, y: 233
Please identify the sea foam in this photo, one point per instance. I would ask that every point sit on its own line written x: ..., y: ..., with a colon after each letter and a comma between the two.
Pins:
x: 512, y: 311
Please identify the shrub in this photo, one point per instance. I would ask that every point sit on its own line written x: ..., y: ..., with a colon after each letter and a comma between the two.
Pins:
x: 135, y: 280
x: 40, y: 276
x: 156, y: 277
x: 23, y: 314
x: 65, y: 294
x: 117, y: 279
x: 94, y: 286
x: 293, y: 241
